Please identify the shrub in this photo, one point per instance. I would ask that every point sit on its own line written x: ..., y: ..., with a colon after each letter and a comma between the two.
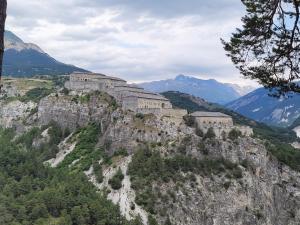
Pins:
x: 210, y: 133
x: 234, y: 134
x: 140, y: 116
x: 116, y: 181
x: 121, y: 152
x: 202, y: 148
x: 98, y: 172
x: 152, y: 220
x: 199, y: 132
x: 65, y: 91
x: 189, y: 121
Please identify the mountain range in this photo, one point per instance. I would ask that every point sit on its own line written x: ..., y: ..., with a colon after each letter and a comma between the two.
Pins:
x: 210, y: 90
x: 258, y: 105
x: 26, y: 59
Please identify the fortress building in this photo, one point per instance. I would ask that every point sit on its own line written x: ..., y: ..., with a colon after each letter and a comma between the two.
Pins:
x: 138, y: 100
x: 220, y: 122
x: 92, y: 82
x: 131, y: 97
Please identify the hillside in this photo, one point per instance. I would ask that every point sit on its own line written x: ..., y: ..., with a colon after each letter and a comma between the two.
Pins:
x: 210, y: 90
x: 72, y: 159
x: 258, y: 105
x: 26, y: 60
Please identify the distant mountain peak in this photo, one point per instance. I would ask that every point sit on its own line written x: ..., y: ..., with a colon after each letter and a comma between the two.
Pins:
x: 26, y: 59
x: 12, y: 41
x: 211, y: 90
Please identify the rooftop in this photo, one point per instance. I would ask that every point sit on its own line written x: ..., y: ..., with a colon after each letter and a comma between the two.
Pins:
x: 209, y: 114
x: 130, y: 86
x: 96, y: 75
x: 146, y: 96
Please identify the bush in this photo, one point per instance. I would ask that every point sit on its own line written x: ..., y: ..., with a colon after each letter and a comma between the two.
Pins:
x: 65, y: 91
x: 234, y: 134
x: 199, y: 132
x: 152, y: 220
x: 98, y: 172
x: 189, y: 121
x: 140, y: 116
x: 210, y: 133
x: 116, y: 181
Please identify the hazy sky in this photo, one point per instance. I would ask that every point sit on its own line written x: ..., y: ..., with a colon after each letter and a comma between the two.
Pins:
x: 138, y: 40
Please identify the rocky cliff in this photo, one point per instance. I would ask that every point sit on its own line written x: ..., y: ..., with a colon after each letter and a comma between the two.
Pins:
x: 181, y: 177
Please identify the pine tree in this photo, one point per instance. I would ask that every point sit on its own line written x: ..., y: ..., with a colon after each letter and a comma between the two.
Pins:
x: 267, y: 47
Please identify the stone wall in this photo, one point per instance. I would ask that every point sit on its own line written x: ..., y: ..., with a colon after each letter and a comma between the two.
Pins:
x: 84, y: 86
x: 220, y: 130
x: 209, y: 121
x: 153, y: 103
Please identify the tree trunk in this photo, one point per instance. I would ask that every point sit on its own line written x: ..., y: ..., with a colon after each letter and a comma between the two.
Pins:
x: 3, y: 6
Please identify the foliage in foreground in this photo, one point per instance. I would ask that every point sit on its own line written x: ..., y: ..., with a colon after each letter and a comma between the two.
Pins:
x: 31, y: 193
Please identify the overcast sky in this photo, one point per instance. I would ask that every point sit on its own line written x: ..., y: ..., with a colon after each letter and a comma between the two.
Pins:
x: 138, y: 40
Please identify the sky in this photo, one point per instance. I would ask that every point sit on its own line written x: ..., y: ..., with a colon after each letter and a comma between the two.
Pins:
x: 137, y: 40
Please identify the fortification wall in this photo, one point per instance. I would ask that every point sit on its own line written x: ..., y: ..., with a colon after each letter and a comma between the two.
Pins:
x: 218, y: 121
x: 130, y: 104
x: 153, y: 103
x: 220, y: 131
x: 84, y: 86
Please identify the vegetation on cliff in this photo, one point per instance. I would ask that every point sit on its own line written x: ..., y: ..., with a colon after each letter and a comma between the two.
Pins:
x: 148, y: 168
x: 32, y: 193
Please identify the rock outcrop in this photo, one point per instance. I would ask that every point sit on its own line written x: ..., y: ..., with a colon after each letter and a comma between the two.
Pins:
x: 13, y: 113
x: 71, y: 111
x: 265, y: 193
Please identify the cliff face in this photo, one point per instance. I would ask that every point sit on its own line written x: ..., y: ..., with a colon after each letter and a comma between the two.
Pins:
x: 14, y: 113
x: 71, y: 111
x: 260, y: 191
x: 266, y: 192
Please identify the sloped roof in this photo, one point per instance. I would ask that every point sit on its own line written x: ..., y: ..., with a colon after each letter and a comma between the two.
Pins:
x: 146, y: 96
x: 209, y: 114
x: 99, y: 75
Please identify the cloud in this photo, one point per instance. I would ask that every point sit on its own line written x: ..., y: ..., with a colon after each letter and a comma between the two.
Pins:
x: 137, y: 40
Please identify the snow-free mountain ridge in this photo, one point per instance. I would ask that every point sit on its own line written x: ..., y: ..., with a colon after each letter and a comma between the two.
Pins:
x: 210, y: 90
x: 26, y: 59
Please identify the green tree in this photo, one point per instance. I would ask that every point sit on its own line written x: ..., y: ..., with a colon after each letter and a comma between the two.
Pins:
x: 116, y: 181
x: 210, y: 133
x: 267, y: 47
x: 152, y: 220
x: 234, y: 134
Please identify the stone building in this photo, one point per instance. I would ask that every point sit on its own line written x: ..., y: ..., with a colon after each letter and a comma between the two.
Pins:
x: 92, y: 82
x: 131, y: 97
x: 220, y: 122
x: 144, y: 100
